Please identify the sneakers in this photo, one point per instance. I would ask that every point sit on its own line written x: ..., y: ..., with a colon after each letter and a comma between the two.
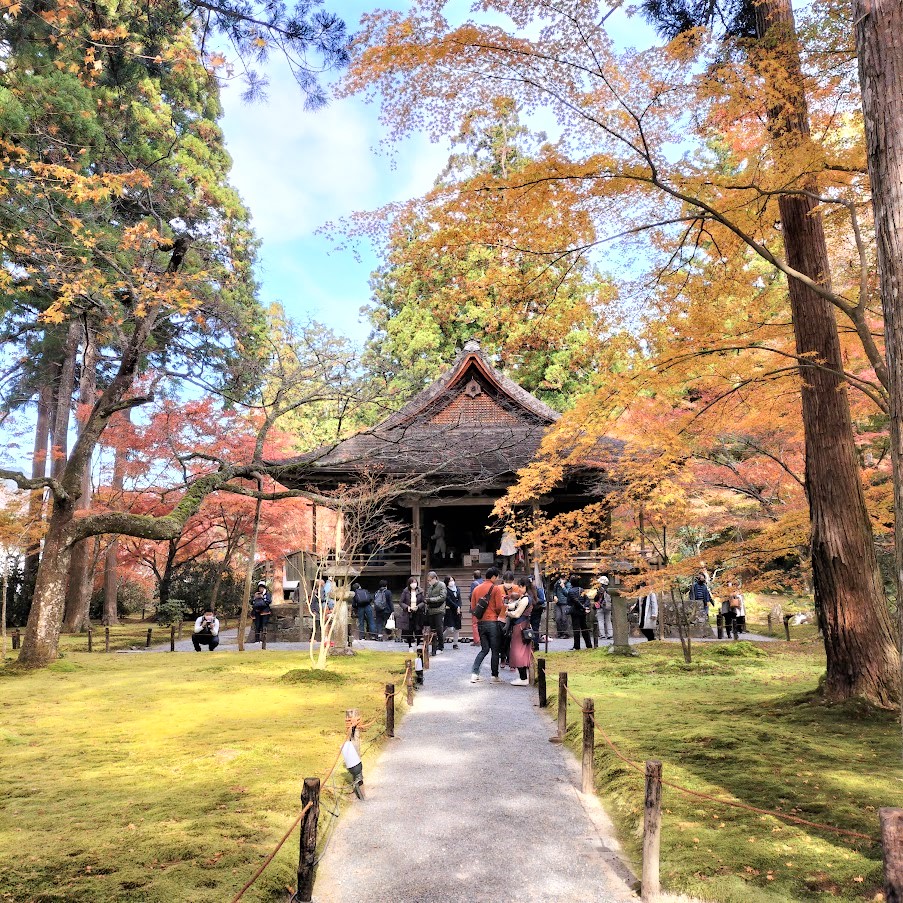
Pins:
x: 474, y: 678
x: 496, y: 679
x: 455, y: 646
x: 518, y: 682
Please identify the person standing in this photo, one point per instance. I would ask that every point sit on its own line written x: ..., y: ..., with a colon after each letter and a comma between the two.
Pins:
x: 362, y: 604
x: 452, y: 609
x: 488, y: 604
x: 508, y: 548
x: 520, y: 606
x: 412, y: 601
x: 505, y: 641
x: 648, y: 612
x: 580, y: 612
x: 699, y: 592
x: 206, y: 631
x: 440, y: 547
x: 603, y: 608
x: 562, y: 608
x: 734, y: 610
x: 260, y: 610
x: 477, y: 580
x: 538, y: 599
x: 435, y: 608
x: 382, y: 607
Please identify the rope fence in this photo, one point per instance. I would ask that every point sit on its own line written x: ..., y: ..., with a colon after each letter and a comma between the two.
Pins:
x: 308, y: 818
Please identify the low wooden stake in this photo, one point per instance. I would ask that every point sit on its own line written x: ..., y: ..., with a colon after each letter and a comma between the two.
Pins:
x: 17, y: 638
x: 263, y: 638
x: 787, y: 626
x: 390, y: 710
x: 106, y: 639
x: 434, y: 643
x: 172, y: 637
x: 652, y: 828
x: 150, y: 630
x: 892, y: 842
x: 541, y: 682
x: 719, y: 625
x: 90, y: 646
x: 562, y: 705
x: 307, y: 857
x: 770, y: 630
x: 589, y: 743
x: 409, y: 679
x: 425, y: 655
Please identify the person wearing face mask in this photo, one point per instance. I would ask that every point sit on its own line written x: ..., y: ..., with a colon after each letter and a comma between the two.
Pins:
x: 452, y: 609
x: 436, y: 593
x: 412, y: 602
x: 520, y: 606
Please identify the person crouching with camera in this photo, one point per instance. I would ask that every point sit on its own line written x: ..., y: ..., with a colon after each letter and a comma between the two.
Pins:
x: 206, y: 632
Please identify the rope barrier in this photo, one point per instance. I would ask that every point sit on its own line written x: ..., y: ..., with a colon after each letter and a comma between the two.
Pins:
x: 733, y: 803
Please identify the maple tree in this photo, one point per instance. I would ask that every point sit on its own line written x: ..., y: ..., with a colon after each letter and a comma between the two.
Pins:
x: 743, y: 203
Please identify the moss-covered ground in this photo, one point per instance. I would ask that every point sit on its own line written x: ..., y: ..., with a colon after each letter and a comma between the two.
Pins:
x: 742, y: 722
x: 165, y: 778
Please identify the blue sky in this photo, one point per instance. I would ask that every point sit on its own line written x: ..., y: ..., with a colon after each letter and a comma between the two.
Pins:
x: 298, y: 170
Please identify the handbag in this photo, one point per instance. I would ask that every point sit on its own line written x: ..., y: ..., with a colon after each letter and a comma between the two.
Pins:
x: 390, y: 622
x: 527, y: 635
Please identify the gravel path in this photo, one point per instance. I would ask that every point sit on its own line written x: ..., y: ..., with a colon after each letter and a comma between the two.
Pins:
x: 470, y: 803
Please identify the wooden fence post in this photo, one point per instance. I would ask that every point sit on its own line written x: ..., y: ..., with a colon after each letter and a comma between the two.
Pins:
x: 770, y: 631
x: 263, y: 637
x: 90, y: 645
x: 307, y: 857
x: 150, y: 630
x: 17, y: 638
x: 652, y: 829
x: 409, y: 679
x: 172, y: 637
x: 390, y: 710
x: 425, y: 655
x: 562, y: 705
x: 434, y: 643
x: 892, y: 842
x: 787, y: 626
x: 106, y: 639
x: 719, y: 625
x: 588, y: 744
x: 541, y: 682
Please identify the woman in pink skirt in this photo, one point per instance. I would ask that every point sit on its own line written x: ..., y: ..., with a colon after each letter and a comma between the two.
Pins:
x: 520, y: 605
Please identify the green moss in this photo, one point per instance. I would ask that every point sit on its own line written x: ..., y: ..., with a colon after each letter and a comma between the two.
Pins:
x: 755, y: 732
x: 311, y: 676
x: 168, y: 777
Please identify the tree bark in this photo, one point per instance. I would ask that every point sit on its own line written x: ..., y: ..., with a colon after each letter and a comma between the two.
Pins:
x: 36, y: 500
x: 862, y: 658
x: 249, y: 577
x: 879, y: 43
x: 111, y: 559
x: 81, y: 576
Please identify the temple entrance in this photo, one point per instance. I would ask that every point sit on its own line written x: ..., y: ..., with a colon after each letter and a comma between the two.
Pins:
x: 460, y: 536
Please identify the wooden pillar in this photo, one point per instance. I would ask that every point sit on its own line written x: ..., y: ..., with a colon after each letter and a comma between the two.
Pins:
x: 589, y: 744
x: 562, y: 704
x: 652, y: 826
x: 307, y: 857
x: 390, y: 710
x: 541, y: 682
x: 416, y: 548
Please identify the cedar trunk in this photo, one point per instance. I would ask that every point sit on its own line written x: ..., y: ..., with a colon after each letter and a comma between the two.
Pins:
x: 862, y: 658
x: 111, y: 559
x: 36, y: 499
x: 879, y: 43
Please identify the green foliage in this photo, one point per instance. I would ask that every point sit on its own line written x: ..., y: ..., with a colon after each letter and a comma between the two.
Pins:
x: 194, y: 585
x: 754, y: 732
x: 311, y: 676
x: 171, y: 611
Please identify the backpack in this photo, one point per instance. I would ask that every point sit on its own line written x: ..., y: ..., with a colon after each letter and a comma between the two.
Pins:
x: 384, y: 600
x: 480, y: 608
x: 362, y: 598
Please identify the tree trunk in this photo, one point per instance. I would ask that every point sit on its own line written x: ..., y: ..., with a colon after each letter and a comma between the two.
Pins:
x: 164, y: 584
x: 60, y: 428
x: 42, y: 633
x: 81, y: 575
x: 249, y: 577
x: 879, y: 42
x: 36, y: 500
x: 862, y: 658
x: 111, y: 560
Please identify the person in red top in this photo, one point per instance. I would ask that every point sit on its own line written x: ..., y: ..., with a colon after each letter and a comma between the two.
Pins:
x: 489, y: 627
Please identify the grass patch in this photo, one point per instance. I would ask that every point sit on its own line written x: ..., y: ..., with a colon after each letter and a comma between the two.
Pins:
x: 743, y: 722
x: 310, y: 676
x: 168, y: 777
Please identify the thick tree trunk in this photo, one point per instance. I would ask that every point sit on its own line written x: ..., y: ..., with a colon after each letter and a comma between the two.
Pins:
x: 164, y: 584
x: 862, y: 658
x: 879, y: 42
x: 111, y: 559
x: 249, y: 576
x: 81, y: 575
x: 42, y: 633
x: 36, y: 501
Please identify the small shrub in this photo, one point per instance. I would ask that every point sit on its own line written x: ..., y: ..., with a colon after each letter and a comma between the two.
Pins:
x: 311, y: 676
x: 170, y: 612
x: 741, y: 649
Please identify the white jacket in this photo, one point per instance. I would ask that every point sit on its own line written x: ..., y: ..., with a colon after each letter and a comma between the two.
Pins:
x: 648, y: 611
x: 214, y: 630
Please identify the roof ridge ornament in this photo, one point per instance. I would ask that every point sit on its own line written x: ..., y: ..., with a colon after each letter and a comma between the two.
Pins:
x: 472, y: 345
